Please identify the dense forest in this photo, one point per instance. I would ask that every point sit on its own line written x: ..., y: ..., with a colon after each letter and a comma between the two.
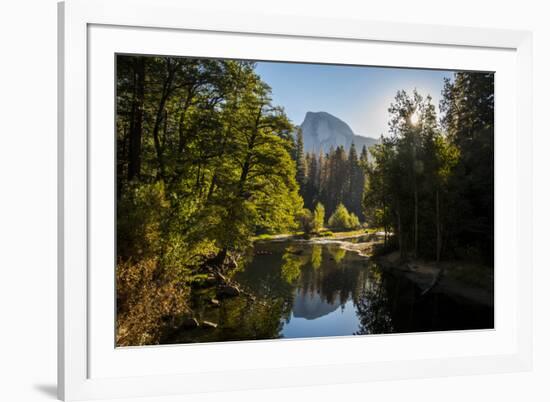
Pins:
x: 206, y: 162
x: 332, y: 178
x: 431, y: 184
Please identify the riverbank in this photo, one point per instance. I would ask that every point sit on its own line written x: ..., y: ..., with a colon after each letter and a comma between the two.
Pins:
x: 332, y: 285
x: 464, y: 281
x: 459, y: 279
x: 360, y: 241
x: 324, y: 234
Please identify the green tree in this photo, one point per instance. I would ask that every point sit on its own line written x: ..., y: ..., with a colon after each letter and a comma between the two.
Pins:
x: 307, y: 221
x: 356, y: 183
x: 341, y: 219
x: 204, y: 162
x: 353, y: 222
x: 468, y: 118
x: 319, y: 217
x: 301, y: 166
x: 431, y: 185
x: 337, y: 179
x: 311, y: 192
x: 380, y: 204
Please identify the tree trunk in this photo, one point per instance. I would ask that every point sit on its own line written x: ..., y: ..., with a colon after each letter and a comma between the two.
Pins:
x: 219, y: 259
x: 211, y: 188
x: 134, y: 147
x: 181, y: 128
x: 384, y: 218
x: 251, y: 146
x: 166, y: 90
x: 415, y: 251
x: 438, y: 226
x: 415, y: 190
x: 400, y: 234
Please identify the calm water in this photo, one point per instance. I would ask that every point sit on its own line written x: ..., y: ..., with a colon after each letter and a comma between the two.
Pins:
x: 298, y: 289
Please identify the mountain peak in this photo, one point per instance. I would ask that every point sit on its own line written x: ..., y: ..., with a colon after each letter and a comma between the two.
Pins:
x: 322, y: 130
x: 320, y: 113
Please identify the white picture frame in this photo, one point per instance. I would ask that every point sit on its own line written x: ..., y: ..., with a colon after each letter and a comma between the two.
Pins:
x: 91, y: 32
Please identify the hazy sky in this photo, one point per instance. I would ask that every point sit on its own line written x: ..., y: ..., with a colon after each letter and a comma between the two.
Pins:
x: 360, y: 96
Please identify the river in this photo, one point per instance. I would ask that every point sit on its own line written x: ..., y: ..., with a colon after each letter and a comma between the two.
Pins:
x: 301, y: 289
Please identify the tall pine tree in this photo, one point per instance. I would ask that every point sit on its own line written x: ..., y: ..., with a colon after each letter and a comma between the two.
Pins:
x: 301, y: 166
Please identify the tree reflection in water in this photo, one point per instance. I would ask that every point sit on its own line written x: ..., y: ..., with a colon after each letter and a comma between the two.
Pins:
x: 372, y: 305
x: 316, y: 256
x: 306, y: 290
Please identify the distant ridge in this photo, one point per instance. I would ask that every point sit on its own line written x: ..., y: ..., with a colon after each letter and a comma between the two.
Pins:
x: 321, y: 130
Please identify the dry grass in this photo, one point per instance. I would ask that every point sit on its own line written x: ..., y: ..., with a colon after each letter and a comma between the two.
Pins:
x: 145, y: 297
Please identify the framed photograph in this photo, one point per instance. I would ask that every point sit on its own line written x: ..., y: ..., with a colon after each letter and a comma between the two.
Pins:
x: 252, y: 201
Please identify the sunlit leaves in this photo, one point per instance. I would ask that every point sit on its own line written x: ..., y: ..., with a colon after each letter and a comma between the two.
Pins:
x: 431, y: 184
x: 342, y: 219
x: 215, y: 167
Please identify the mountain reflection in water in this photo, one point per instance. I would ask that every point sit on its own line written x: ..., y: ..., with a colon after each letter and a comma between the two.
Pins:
x: 310, y: 306
x: 301, y: 289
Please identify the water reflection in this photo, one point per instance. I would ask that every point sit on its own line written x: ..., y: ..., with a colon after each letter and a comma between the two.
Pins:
x: 316, y: 256
x: 336, y: 252
x: 308, y: 290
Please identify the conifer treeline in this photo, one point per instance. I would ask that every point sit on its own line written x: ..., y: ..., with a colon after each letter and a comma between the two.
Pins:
x: 205, y: 162
x: 431, y: 184
x: 428, y: 184
x: 331, y: 178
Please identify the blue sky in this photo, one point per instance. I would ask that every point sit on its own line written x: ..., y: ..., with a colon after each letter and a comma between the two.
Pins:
x: 360, y: 96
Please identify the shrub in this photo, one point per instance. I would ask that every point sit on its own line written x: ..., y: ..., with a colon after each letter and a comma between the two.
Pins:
x: 306, y: 221
x: 319, y: 217
x: 353, y: 221
x: 342, y: 219
x: 146, y: 295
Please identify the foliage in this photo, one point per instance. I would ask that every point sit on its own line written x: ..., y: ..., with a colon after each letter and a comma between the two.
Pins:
x: 292, y: 265
x: 204, y: 162
x: 319, y: 217
x: 353, y: 222
x: 307, y: 221
x: 468, y: 117
x: 312, y: 222
x: 143, y: 298
x: 316, y: 256
x: 337, y: 253
x: 300, y: 160
x: 335, y: 177
x: 342, y: 219
x: 432, y: 185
